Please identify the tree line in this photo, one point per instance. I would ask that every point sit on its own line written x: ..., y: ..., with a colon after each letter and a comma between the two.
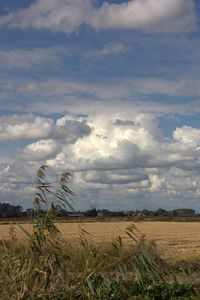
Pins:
x: 8, y: 210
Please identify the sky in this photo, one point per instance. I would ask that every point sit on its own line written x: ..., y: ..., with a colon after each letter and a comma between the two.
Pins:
x: 106, y: 90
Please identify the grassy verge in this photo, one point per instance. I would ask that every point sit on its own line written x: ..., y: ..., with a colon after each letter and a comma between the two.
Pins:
x: 86, y: 271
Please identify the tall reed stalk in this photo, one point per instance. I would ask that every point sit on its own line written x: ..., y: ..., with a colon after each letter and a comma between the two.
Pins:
x: 41, y: 267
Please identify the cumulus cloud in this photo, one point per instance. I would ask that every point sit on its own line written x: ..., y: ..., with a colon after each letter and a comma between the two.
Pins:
x: 114, y: 177
x: 71, y: 129
x: 150, y: 16
x: 68, y: 16
x: 124, y: 158
x: 119, y: 122
x: 39, y: 151
x: 136, y: 144
x: 131, y: 157
x: 17, y: 127
x: 187, y: 135
x: 16, y: 173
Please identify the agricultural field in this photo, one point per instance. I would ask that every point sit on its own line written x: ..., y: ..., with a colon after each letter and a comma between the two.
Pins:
x: 99, y: 260
x: 173, y: 239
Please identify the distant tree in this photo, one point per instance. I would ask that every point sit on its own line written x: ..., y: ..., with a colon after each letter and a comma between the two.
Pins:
x: 91, y: 213
x: 8, y: 210
x: 147, y: 212
x: 184, y: 212
x: 161, y: 212
x: 61, y: 212
x: 174, y: 213
x: 17, y: 210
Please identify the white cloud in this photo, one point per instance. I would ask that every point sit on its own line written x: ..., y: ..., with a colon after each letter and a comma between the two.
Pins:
x: 187, y: 135
x: 156, y: 183
x: 17, y: 173
x: 17, y: 183
x: 139, y: 144
x: 67, y: 16
x: 108, y: 49
x: 124, y: 158
x: 114, y: 177
x: 54, y: 15
x: 76, y: 97
x: 177, y: 87
x: 39, y: 151
x: 146, y: 15
x: 20, y: 58
x: 131, y: 158
x: 123, y: 88
x: 15, y: 127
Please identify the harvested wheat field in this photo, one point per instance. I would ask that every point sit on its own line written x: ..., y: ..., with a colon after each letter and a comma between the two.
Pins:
x: 172, y: 238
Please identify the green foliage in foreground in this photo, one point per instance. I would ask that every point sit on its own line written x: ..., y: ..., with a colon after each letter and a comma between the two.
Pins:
x: 48, y: 268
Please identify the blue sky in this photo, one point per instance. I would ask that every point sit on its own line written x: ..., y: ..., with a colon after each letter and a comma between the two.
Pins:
x: 106, y: 90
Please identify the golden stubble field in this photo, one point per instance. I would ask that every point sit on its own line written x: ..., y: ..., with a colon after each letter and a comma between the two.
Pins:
x: 173, y: 239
